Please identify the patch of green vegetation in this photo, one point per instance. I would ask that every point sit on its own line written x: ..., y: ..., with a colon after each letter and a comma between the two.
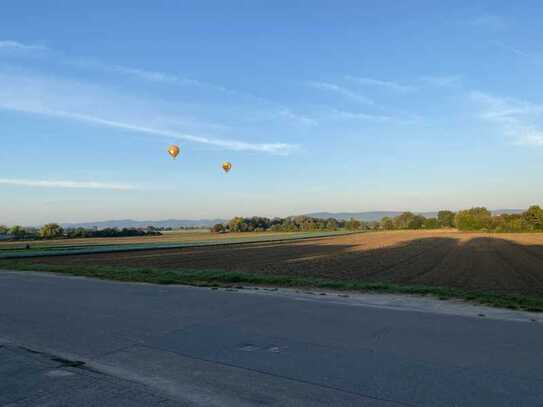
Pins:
x: 66, y: 250
x: 216, y: 278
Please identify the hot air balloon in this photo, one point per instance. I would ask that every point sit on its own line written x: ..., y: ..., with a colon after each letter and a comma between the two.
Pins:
x: 173, y: 150
x: 226, y: 166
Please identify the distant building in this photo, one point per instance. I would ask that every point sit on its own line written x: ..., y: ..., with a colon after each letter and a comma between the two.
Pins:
x: 4, y: 237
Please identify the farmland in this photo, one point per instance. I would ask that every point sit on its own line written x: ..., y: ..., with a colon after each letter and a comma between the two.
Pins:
x: 510, y: 264
x: 174, y: 239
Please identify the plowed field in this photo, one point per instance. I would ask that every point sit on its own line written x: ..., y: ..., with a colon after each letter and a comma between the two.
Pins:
x: 502, y: 263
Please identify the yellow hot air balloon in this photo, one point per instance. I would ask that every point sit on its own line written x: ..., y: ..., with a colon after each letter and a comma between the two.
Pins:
x: 173, y: 150
x: 226, y: 166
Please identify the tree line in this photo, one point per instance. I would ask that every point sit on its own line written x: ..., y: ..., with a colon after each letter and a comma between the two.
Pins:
x: 474, y: 219
x: 289, y: 224
x: 406, y: 220
x: 482, y: 219
x: 410, y: 220
x: 55, y: 231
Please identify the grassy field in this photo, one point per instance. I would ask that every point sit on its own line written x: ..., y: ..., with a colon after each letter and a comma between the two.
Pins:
x: 175, y: 236
x: 503, y: 270
x: 170, y: 239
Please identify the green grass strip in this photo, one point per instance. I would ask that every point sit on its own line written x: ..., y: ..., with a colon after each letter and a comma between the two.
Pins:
x: 222, y: 278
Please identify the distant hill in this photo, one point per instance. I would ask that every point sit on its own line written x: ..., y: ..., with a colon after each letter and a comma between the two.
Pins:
x: 177, y: 223
x: 130, y: 223
x: 364, y: 216
x: 378, y: 215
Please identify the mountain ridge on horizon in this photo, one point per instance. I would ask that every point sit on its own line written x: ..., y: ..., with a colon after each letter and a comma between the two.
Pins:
x: 370, y: 216
x: 367, y: 216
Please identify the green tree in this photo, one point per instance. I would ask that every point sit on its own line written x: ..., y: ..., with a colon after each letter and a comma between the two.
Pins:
x: 446, y: 219
x: 18, y: 232
x: 331, y: 224
x: 51, y: 231
x: 309, y: 225
x: 417, y: 222
x: 431, y: 223
x: 510, y: 223
x: 218, y: 228
x: 534, y: 217
x: 353, y: 224
x: 386, y: 223
x: 4, y: 230
x: 408, y: 220
x: 473, y: 219
x: 78, y: 233
x: 236, y: 225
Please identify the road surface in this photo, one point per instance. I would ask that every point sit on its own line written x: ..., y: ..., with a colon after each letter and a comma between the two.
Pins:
x: 68, y: 341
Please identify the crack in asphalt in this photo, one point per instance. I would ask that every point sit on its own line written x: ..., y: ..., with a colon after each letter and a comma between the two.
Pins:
x: 67, y: 364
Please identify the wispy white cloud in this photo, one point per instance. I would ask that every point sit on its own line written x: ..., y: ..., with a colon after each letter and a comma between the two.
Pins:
x: 14, y: 45
x: 531, y: 137
x: 274, y: 148
x: 505, y: 109
x: 520, y: 120
x: 396, y: 119
x: 281, y: 114
x: 331, y: 87
x: 94, y: 64
x: 273, y: 108
x: 342, y: 114
x: 89, y: 104
x: 381, y: 84
x: 442, y: 81
x: 66, y: 184
x: 145, y: 75
x: 152, y: 76
x: 138, y: 73
x: 303, y: 119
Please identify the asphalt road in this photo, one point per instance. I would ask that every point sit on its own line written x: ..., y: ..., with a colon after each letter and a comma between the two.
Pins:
x: 67, y: 341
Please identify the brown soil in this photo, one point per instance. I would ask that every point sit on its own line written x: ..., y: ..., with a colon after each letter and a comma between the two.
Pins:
x: 504, y: 263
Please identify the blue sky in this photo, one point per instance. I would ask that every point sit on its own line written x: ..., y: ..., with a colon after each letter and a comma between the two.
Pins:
x: 338, y: 106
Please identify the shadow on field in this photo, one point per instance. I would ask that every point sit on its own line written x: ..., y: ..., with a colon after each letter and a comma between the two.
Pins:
x: 476, y: 263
